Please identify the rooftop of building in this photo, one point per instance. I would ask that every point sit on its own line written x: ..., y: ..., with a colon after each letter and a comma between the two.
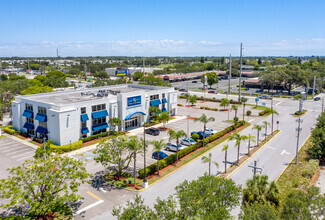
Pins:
x: 83, y: 95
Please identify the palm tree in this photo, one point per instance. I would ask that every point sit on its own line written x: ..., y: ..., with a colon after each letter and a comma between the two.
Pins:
x: 134, y: 145
x: 224, y: 102
x: 265, y: 123
x: 235, y: 108
x: 208, y: 159
x: 258, y: 128
x: 250, y: 138
x: 204, y: 119
x: 176, y: 135
x: 244, y: 100
x: 238, y: 138
x: 273, y: 112
x: 157, y: 146
x: 225, y: 149
x: 259, y: 190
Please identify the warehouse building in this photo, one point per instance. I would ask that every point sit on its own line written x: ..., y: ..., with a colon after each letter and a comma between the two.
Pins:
x: 67, y: 116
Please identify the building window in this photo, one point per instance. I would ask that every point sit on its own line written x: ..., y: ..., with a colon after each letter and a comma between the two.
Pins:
x: 29, y: 107
x: 83, y: 110
x: 30, y: 120
x: 84, y: 135
x: 96, y: 108
x: 83, y: 124
x: 98, y: 120
x: 42, y: 124
x: 154, y: 97
x: 42, y: 110
x: 163, y: 95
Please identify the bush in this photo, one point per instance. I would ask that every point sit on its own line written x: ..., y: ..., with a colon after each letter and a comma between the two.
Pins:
x: 94, y: 137
x: 300, y: 113
x: 24, y: 134
x: 202, y: 107
x: 249, y: 112
x: 38, y: 140
x: 179, y: 104
x: 68, y: 147
x: 9, y: 130
x: 311, y: 168
x: 265, y: 112
x: 236, y: 118
x: 297, y: 97
x: 195, y: 137
x: 151, y: 169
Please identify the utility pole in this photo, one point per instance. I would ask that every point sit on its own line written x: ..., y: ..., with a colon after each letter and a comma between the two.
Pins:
x: 255, y: 167
x: 240, y: 70
x: 143, y: 66
x: 229, y: 76
x: 298, y: 129
x: 272, y: 114
x: 145, y: 182
x: 314, y: 86
x: 307, y: 90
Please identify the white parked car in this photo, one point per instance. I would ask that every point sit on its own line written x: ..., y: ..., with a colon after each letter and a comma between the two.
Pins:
x: 187, y: 141
x: 209, y: 131
x: 172, y: 147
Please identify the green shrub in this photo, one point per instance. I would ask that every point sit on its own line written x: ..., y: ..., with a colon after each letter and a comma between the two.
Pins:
x: 202, y: 107
x: 195, y: 136
x: 94, y: 137
x: 38, y: 140
x: 249, y: 112
x: 300, y: 113
x: 236, y: 118
x: 68, y: 147
x: 265, y: 112
x: 9, y: 130
x: 311, y: 168
x: 179, y: 104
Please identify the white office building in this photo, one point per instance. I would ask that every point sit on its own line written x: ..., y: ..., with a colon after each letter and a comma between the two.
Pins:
x: 67, y: 116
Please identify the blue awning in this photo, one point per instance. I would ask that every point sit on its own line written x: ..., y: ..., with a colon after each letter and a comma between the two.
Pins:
x: 28, y: 114
x: 99, y: 114
x: 130, y: 115
x: 84, y: 117
x: 164, y: 100
x: 41, y: 117
x: 41, y: 130
x: 28, y: 125
x: 84, y: 130
x: 164, y: 109
x: 100, y: 126
x: 155, y: 102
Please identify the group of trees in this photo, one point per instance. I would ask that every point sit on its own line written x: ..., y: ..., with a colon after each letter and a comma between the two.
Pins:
x: 317, y: 151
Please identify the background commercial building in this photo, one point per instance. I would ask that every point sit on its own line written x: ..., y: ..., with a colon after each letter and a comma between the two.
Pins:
x: 67, y: 116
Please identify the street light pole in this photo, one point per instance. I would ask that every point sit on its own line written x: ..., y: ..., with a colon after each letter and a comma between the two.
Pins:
x: 272, y: 115
x: 145, y: 183
x: 188, y: 125
x: 298, y: 129
x: 240, y: 70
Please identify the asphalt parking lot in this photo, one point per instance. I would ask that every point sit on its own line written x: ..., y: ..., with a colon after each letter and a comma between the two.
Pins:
x: 12, y: 154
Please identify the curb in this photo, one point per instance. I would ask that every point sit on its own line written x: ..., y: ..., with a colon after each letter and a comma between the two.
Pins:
x: 251, y: 156
x: 187, y: 163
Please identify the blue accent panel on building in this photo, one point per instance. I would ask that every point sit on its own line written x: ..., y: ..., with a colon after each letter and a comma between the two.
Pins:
x: 84, y: 130
x: 41, y: 130
x: 41, y: 117
x: 164, y: 100
x: 164, y: 109
x: 99, y: 114
x: 28, y: 114
x: 155, y: 102
x: 136, y: 100
x: 130, y: 115
x: 28, y: 125
x: 84, y: 117
x: 100, y: 126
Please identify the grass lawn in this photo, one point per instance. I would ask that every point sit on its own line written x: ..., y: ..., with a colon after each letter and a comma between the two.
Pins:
x: 165, y: 65
x: 293, y: 177
x: 259, y: 107
x: 169, y: 169
x: 230, y: 121
x: 2, y: 136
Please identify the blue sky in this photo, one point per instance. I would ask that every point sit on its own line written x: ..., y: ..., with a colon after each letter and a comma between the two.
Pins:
x: 165, y: 27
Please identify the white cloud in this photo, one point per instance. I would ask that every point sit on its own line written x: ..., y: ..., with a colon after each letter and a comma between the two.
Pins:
x: 166, y: 47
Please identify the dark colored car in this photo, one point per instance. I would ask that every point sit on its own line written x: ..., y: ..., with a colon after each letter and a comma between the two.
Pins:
x: 194, y: 81
x: 162, y: 155
x: 200, y: 133
x: 317, y: 98
x: 152, y: 131
x: 211, y: 91
x: 182, y: 90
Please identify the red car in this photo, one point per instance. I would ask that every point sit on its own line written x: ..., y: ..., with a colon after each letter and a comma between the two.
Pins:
x: 212, y: 91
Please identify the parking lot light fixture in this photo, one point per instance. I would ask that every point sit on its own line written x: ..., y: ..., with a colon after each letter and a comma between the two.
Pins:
x: 145, y: 182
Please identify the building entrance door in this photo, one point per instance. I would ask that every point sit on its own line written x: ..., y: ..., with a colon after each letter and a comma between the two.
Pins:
x: 132, y: 123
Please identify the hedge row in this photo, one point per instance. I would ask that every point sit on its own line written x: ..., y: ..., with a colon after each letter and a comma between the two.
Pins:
x: 208, y: 108
x: 9, y: 130
x: 101, y: 135
x: 151, y: 169
x: 265, y: 112
x: 68, y: 147
x: 212, y: 99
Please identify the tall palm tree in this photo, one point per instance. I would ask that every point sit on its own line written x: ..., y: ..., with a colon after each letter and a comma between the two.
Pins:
x: 244, y: 100
x: 225, y: 149
x: 238, y: 138
x: 250, y: 138
x: 176, y: 135
x: 265, y: 123
x: 157, y: 146
x: 224, y: 102
x: 235, y: 108
x: 135, y: 145
x: 258, y: 128
x: 204, y: 119
x: 259, y: 190
x: 208, y: 159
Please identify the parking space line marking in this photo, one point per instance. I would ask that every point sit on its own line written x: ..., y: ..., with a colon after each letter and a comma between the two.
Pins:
x: 89, y: 207
x: 91, y: 154
x: 93, y: 195
x: 76, y: 158
x: 25, y: 157
x: 22, y: 154
x: 4, y: 148
x: 278, y: 103
x: 12, y: 149
x: 18, y: 151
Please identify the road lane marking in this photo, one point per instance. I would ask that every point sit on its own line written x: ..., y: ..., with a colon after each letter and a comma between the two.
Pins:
x: 278, y: 103
x: 88, y: 207
x: 19, y: 151
x: 93, y: 195
x: 271, y: 148
x: 284, y: 152
x: 251, y: 120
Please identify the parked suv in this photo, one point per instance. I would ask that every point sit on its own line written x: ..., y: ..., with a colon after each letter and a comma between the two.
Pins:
x: 152, y: 131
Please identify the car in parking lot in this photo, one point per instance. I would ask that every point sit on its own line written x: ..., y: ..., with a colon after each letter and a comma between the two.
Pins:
x: 317, y: 98
x: 265, y: 97
x: 188, y: 141
x: 259, y: 90
x: 209, y: 131
x: 183, y: 93
x: 161, y: 154
x: 152, y: 131
x: 173, y: 147
x: 194, y: 81
x: 200, y: 133
x: 211, y: 91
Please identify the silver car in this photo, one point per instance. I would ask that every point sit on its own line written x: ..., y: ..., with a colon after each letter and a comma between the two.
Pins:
x: 172, y: 147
